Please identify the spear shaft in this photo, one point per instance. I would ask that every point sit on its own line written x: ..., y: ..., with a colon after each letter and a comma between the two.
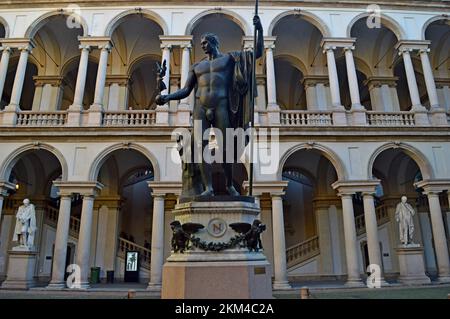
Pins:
x: 252, y: 104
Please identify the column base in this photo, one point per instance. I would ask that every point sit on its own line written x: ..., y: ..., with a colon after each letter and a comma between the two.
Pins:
x: 83, y: 286
x: 162, y: 115
x: 420, y: 115
x: 359, y: 117
x: 56, y: 286
x: 95, y: 115
x: 339, y: 116
x: 74, y: 115
x: 354, y: 283
x: 154, y: 287
x: 438, y: 116
x: 443, y: 279
x: 10, y: 115
x: 273, y: 114
x: 281, y: 285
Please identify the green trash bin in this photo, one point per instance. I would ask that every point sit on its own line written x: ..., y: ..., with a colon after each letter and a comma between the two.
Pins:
x: 95, y: 275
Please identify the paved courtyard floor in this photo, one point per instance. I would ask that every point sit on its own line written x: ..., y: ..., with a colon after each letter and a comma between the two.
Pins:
x: 322, y: 290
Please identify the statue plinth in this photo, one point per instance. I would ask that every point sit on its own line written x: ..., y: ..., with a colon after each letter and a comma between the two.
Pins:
x: 217, y: 266
x: 21, y: 266
x: 412, y: 266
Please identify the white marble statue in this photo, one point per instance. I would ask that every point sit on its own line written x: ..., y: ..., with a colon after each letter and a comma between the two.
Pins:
x: 404, y: 216
x: 25, y: 225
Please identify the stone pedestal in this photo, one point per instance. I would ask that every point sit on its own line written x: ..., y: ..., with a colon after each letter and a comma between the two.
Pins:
x: 226, y: 274
x: 20, y: 273
x: 412, y: 266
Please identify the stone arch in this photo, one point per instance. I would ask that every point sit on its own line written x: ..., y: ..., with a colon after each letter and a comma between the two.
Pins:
x: 104, y: 155
x: 325, y: 151
x: 420, y: 159
x: 115, y: 22
x: 14, y: 157
x: 362, y: 66
x: 39, y: 22
x: 296, y: 62
x: 388, y: 22
x: 430, y: 21
x: 136, y: 61
x: 5, y: 26
x: 307, y: 16
x: 231, y: 14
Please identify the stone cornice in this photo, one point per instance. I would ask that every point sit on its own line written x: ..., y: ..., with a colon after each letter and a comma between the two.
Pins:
x: 95, y: 41
x: 275, y: 188
x: 176, y: 40
x: 122, y: 80
x: 78, y: 187
x: 410, y: 5
x: 312, y: 80
x: 351, y: 187
x: 53, y: 80
x: 18, y: 43
x: 378, y: 81
x: 333, y: 43
x: 433, y: 186
x: 410, y: 45
x: 163, y: 188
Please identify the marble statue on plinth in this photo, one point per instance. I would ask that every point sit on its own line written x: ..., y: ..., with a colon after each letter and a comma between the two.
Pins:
x: 25, y: 228
x: 404, y: 216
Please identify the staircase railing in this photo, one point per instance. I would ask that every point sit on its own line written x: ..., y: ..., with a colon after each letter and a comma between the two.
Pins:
x: 126, y: 245
x: 302, y: 251
x: 382, y: 217
x: 51, y: 215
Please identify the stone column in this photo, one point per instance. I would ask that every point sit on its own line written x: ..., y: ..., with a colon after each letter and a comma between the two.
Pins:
x: 439, y: 117
x: 84, y: 239
x: 162, y: 111
x: 439, y: 238
x: 352, y: 78
x: 373, y: 244
x: 411, y: 78
x: 101, y: 77
x: 279, y: 244
x: 19, y: 78
x: 383, y: 93
x: 4, y: 187
x: 77, y: 104
x: 60, y: 251
x: 333, y: 76
x: 157, y: 248
x: 273, y: 110
x: 184, y: 108
x: 429, y: 79
x: 350, y: 240
x: 4, y: 62
x: 185, y: 66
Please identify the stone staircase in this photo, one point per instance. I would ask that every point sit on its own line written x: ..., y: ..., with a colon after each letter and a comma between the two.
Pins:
x: 310, y: 248
x: 124, y: 245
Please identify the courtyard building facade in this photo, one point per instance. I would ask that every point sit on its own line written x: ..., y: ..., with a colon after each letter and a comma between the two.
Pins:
x: 355, y: 99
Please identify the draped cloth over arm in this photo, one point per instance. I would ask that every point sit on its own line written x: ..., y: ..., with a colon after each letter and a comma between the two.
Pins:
x: 240, y: 89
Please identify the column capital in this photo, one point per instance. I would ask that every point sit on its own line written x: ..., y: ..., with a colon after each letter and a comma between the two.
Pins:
x: 5, y: 49
x: 5, y: 187
x: 378, y: 81
x: 161, y: 189
x: 274, y: 188
x: 441, y: 82
x: 22, y: 44
x: 91, y: 189
x: 183, y: 41
x: 99, y: 42
x: 247, y: 42
x: 434, y: 186
x: 356, y: 186
x: 411, y: 45
x: 313, y: 80
x: 120, y: 79
x: 334, y: 43
x: 269, y: 42
x: 349, y: 48
x: 53, y: 80
x: 424, y: 50
x: 85, y: 47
